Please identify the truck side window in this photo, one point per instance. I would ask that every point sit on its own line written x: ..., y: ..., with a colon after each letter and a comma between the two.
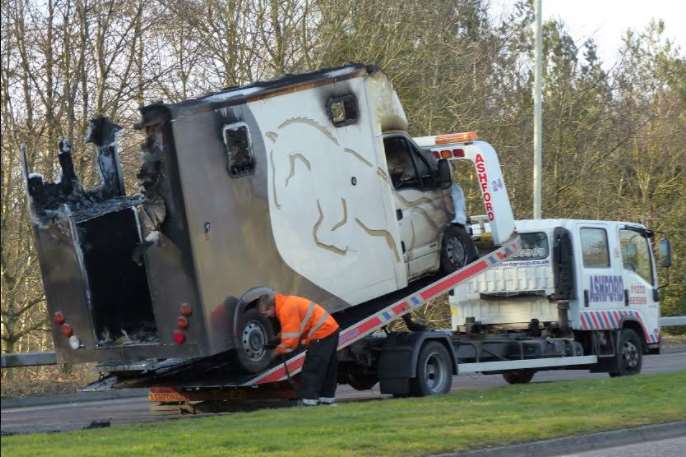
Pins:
x: 594, y: 248
x: 423, y: 168
x: 636, y: 254
x: 239, y: 157
x: 534, y: 247
x: 401, y: 167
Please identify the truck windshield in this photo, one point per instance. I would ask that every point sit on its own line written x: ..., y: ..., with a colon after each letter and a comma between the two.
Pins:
x: 534, y: 247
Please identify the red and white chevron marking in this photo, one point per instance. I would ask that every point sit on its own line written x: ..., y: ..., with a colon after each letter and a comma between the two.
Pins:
x: 613, y: 319
x: 396, y: 310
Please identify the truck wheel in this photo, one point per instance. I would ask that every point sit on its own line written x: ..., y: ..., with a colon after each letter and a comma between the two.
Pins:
x: 361, y: 381
x: 434, y: 371
x: 254, y: 331
x: 519, y: 376
x: 457, y: 249
x: 629, y: 355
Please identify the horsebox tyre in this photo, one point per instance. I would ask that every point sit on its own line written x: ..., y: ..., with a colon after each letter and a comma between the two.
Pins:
x: 457, y: 249
x: 629, y: 355
x: 434, y: 371
x: 254, y: 331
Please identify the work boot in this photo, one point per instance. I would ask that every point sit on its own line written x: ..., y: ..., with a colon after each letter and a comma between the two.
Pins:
x: 308, y: 402
x: 328, y: 401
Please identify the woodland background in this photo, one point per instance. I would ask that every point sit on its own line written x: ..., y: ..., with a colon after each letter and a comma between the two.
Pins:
x: 613, y: 132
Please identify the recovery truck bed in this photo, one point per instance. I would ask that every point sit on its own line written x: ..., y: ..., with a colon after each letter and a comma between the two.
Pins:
x: 213, y: 378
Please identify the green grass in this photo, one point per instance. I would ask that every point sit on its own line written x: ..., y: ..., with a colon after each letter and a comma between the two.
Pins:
x: 408, y: 427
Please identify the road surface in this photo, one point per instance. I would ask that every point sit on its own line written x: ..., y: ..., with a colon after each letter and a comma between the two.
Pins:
x: 672, y: 447
x: 70, y: 416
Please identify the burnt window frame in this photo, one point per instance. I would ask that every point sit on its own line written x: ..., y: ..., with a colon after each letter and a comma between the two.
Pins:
x: 422, y: 182
x: 350, y: 108
x: 248, y: 169
x: 428, y: 182
x: 417, y: 184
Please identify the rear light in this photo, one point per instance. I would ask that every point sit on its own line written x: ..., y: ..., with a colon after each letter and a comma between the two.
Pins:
x: 182, y: 323
x: 179, y: 337
x: 58, y: 318
x: 448, y: 153
x: 67, y: 331
x: 185, y: 309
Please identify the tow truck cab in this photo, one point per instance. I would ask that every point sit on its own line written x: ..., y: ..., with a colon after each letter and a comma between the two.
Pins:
x: 590, y: 275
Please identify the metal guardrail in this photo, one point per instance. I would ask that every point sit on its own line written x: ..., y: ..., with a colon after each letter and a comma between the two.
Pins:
x: 28, y: 359
x: 672, y: 321
x: 33, y: 359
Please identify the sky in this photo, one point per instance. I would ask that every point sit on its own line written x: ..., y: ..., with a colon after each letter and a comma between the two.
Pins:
x: 606, y: 20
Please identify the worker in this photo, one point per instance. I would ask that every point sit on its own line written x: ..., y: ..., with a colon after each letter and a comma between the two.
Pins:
x: 305, y: 322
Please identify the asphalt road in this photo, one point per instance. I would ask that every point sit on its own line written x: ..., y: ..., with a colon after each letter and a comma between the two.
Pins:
x: 673, y: 447
x: 71, y: 416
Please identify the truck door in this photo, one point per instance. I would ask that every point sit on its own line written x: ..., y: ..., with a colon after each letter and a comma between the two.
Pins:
x: 640, y: 279
x: 601, y: 284
x: 421, y: 207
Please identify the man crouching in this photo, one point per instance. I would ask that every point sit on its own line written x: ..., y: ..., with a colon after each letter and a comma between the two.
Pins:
x: 305, y: 322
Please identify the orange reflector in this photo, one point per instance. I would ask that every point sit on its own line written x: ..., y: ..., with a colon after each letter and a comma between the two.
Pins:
x: 463, y: 137
x: 58, y: 319
x: 185, y: 309
x: 67, y: 331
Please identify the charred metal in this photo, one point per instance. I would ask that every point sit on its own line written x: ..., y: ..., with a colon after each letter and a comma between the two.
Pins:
x: 68, y: 192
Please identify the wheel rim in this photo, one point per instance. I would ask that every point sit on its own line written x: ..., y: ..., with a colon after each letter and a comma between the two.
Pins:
x: 631, y: 355
x: 436, y: 373
x: 253, y: 338
x: 455, y: 251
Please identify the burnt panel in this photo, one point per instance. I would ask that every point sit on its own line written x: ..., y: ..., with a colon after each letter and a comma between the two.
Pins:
x: 120, y: 297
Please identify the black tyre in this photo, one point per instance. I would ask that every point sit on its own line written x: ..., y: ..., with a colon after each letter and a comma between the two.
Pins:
x: 519, y: 376
x: 254, y: 331
x: 361, y: 381
x: 629, y: 354
x: 457, y: 249
x: 434, y: 371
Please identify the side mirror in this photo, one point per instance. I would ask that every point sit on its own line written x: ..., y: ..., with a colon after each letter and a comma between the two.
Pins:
x: 665, y: 248
x: 444, y: 176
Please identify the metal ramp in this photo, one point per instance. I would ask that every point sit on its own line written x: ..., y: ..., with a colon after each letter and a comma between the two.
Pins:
x: 358, y: 329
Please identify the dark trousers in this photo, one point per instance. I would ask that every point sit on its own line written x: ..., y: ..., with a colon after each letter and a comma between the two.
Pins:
x: 320, y: 368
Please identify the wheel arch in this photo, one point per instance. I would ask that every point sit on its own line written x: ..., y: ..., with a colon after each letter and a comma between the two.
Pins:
x: 400, y: 353
x: 442, y: 339
x: 637, y: 327
x: 248, y: 301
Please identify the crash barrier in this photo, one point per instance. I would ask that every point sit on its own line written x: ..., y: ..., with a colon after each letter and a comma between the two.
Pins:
x: 35, y: 359
x: 28, y: 359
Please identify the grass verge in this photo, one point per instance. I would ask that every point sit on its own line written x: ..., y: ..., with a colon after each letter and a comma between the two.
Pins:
x: 407, y: 427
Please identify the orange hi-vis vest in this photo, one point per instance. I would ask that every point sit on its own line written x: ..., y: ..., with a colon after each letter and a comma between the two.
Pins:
x: 301, y: 322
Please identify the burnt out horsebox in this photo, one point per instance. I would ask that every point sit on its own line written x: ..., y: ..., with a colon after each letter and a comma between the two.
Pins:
x: 282, y: 184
